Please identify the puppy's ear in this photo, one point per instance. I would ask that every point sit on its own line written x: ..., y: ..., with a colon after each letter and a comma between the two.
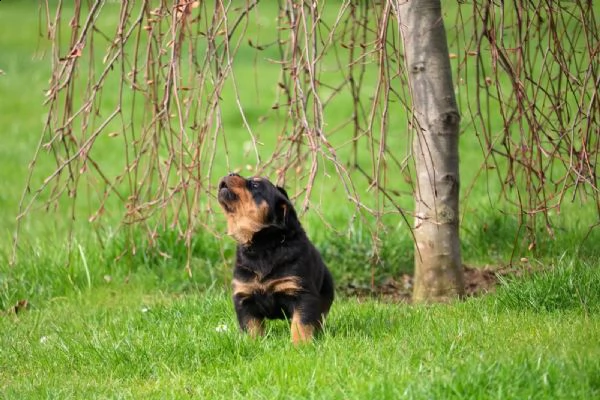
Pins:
x: 283, y: 192
x: 284, y: 208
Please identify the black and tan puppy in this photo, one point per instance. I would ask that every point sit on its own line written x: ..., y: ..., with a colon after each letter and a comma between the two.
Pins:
x: 278, y: 272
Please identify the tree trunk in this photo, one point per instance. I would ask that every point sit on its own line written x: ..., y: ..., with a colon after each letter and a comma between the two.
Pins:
x: 438, y: 266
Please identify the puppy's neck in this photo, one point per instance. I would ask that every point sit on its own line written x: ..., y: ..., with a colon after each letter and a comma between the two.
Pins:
x: 270, y: 237
x: 243, y: 229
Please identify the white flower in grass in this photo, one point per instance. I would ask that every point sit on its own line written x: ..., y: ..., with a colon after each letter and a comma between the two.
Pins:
x: 222, y: 328
x: 44, y: 339
x: 145, y: 309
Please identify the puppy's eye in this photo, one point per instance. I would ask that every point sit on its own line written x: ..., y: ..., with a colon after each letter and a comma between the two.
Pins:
x: 254, y: 184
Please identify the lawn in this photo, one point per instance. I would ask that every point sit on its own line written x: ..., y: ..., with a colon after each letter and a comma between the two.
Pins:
x: 93, y: 321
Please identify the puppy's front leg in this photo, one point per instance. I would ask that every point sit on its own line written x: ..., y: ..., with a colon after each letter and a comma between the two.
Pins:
x: 255, y: 327
x: 250, y: 324
x: 302, y: 332
x: 307, y: 318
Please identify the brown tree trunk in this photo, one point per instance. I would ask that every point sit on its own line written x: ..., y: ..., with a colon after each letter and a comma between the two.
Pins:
x: 438, y: 266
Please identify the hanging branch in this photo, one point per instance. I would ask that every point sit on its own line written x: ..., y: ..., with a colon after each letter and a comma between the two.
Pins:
x: 158, y: 83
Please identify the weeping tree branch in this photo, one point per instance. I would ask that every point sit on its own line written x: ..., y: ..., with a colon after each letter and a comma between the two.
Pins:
x: 160, y: 84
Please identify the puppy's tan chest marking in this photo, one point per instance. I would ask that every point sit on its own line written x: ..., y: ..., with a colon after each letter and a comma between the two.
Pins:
x: 289, y: 285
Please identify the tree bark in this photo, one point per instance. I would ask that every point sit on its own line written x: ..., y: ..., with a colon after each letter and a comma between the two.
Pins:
x: 438, y: 267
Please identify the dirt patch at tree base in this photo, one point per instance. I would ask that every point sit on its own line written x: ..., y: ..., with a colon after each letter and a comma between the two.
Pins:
x: 478, y: 281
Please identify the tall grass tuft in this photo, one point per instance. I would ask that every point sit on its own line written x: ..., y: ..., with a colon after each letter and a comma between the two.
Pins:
x: 570, y: 284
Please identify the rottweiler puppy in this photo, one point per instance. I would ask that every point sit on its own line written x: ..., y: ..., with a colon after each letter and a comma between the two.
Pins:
x: 278, y: 272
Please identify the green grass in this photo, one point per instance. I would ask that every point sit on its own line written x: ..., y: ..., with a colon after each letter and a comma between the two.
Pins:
x: 105, y: 323
x: 119, y: 342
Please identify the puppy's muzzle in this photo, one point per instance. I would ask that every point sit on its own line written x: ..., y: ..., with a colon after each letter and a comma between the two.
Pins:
x: 226, y: 194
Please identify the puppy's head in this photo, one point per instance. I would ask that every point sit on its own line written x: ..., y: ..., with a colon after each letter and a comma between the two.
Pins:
x: 251, y: 205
